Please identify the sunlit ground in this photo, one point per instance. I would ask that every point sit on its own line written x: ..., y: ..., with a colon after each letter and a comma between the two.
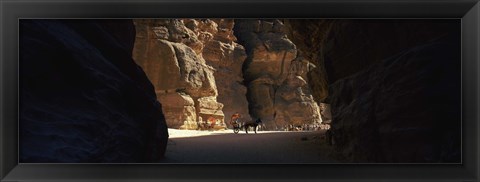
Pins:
x: 265, y: 147
x: 176, y: 133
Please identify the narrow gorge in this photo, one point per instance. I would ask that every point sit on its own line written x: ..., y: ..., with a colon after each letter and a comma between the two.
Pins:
x: 202, y: 71
x: 374, y: 90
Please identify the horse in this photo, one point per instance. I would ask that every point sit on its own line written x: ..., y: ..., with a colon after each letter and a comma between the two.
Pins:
x: 252, y: 124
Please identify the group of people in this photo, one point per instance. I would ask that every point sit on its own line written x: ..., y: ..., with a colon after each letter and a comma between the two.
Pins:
x: 235, y: 121
x: 306, y: 127
x: 208, y: 124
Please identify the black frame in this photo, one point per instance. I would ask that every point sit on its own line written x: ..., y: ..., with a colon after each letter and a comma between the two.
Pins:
x: 468, y: 10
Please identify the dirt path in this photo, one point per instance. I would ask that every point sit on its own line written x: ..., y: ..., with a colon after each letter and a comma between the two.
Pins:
x: 264, y: 147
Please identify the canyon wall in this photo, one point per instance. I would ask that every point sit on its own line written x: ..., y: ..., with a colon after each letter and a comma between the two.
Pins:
x: 310, y: 37
x: 405, y: 109
x: 195, y: 66
x: 393, y: 86
x: 200, y: 70
x: 389, y: 88
x: 82, y: 97
x: 275, y: 75
x: 340, y: 48
x: 224, y: 54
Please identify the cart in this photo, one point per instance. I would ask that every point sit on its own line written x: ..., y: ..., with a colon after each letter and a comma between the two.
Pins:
x: 236, y: 127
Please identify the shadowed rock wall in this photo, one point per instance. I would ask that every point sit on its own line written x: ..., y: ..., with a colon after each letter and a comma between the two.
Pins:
x: 404, y: 109
x: 394, y: 86
x: 82, y: 97
x: 340, y: 48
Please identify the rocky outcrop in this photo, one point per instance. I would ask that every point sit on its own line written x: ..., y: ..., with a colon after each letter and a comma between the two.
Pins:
x: 277, y: 86
x: 294, y: 103
x: 310, y: 37
x: 223, y: 53
x: 193, y: 63
x: 82, y: 97
x: 403, y: 109
x: 326, y: 113
x: 179, y: 109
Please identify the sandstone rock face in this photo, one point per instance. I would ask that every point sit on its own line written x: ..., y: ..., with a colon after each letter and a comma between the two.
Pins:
x: 294, y: 103
x: 186, y: 59
x: 224, y: 54
x: 277, y: 86
x: 83, y: 98
x: 268, y: 48
x: 404, y: 109
x: 310, y: 37
x: 326, y: 112
x: 179, y: 109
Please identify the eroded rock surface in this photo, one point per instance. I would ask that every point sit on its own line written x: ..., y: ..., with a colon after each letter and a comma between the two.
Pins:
x: 224, y: 54
x: 193, y: 59
x: 326, y: 113
x: 278, y: 92
x: 294, y: 103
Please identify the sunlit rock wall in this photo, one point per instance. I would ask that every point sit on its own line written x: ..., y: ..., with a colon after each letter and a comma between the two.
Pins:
x: 278, y: 92
x: 195, y: 65
x: 224, y: 54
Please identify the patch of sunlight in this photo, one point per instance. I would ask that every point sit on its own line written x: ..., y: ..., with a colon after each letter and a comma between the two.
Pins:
x: 176, y: 133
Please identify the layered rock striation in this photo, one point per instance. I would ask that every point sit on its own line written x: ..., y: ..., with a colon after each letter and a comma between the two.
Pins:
x: 83, y: 98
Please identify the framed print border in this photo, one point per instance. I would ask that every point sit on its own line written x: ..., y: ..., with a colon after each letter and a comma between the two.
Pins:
x: 11, y: 11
